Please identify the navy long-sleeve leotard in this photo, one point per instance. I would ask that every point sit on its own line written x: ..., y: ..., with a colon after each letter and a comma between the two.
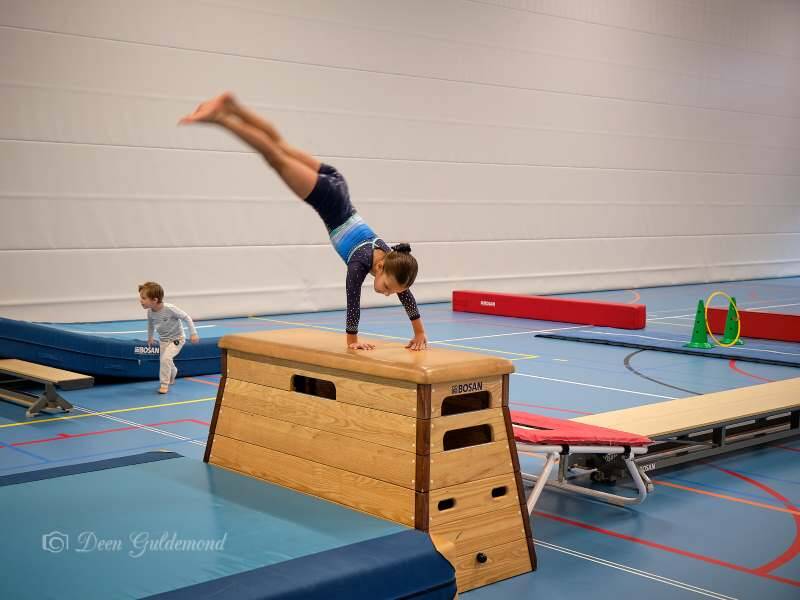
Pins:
x: 353, y: 240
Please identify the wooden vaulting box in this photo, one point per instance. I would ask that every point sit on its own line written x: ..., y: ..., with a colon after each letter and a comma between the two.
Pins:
x: 419, y: 438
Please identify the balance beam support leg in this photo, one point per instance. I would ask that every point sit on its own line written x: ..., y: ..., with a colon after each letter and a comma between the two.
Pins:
x: 50, y: 399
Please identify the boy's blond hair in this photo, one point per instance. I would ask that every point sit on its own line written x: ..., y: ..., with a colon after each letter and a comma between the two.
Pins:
x: 152, y: 290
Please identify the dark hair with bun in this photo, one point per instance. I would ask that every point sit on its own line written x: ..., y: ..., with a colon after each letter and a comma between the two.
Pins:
x: 400, y: 265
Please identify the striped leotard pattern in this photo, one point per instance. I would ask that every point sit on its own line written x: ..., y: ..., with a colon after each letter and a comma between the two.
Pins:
x: 351, y: 235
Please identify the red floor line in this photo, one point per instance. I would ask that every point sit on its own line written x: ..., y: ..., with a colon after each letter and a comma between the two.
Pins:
x: 69, y: 436
x: 251, y: 324
x: 576, y: 412
x: 785, y: 448
x: 636, y: 297
x: 794, y: 549
x: 665, y: 548
x: 214, y: 383
x: 732, y: 365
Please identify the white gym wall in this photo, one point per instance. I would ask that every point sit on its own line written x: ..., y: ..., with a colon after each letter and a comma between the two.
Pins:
x: 532, y: 146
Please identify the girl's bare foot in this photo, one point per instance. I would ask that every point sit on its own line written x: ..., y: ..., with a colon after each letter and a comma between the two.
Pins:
x: 211, y: 111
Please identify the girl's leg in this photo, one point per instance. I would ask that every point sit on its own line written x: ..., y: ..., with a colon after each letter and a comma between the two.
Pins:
x: 251, y: 118
x: 300, y: 177
x: 297, y: 169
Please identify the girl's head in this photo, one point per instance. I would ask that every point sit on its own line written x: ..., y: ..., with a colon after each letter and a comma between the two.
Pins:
x: 396, y: 271
x: 151, y: 294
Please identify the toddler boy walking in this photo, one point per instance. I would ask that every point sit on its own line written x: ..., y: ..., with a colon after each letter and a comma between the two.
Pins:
x: 166, y: 319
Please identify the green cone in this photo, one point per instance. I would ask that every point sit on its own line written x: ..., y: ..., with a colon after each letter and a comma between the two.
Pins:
x: 699, y: 334
x: 731, y: 325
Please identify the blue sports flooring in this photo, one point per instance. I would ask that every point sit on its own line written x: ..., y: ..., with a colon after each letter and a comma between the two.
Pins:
x: 727, y: 527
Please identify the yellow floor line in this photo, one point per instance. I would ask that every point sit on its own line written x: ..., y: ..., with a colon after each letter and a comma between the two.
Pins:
x: 105, y: 412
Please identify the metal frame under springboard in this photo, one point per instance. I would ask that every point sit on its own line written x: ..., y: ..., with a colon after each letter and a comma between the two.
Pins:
x: 559, y: 439
x: 560, y: 454
x: 725, y: 437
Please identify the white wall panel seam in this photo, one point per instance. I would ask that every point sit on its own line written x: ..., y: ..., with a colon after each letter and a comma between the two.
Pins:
x: 636, y: 30
x: 499, y: 46
x: 698, y: 78
x: 388, y: 202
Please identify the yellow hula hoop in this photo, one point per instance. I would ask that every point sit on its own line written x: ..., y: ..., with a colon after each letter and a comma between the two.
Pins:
x: 738, y: 320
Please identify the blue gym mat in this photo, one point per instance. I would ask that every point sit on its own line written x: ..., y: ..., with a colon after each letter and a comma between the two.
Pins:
x: 168, y: 526
x: 116, y: 349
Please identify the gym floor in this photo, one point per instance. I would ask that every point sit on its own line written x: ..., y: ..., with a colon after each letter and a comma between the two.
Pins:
x: 725, y: 527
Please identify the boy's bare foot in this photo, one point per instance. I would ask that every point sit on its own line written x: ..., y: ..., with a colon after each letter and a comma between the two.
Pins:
x: 163, y: 389
x: 211, y: 111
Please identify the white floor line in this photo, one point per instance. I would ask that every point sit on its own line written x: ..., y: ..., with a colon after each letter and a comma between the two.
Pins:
x: 773, y: 306
x: 739, y: 305
x: 140, y: 426
x: 737, y: 348
x: 633, y: 571
x: 673, y: 317
x: 601, y: 387
x: 519, y: 354
x: 483, y: 337
x: 120, y: 332
x: 395, y: 337
x: 684, y: 325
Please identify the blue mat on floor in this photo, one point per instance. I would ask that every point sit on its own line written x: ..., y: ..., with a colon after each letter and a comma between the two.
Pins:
x: 165, y: 526
x: 54, y: 346
x: 117, y: 348
x: 758, y: 351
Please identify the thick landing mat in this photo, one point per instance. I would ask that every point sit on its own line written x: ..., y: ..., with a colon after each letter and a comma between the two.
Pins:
x: 54, y: 346
x: 759, y: 351
x: 116, y: 349
x: 174, y: 527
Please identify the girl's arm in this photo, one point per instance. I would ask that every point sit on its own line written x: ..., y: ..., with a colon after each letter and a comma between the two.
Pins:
x: 356, y: 273
x: 419, y: 341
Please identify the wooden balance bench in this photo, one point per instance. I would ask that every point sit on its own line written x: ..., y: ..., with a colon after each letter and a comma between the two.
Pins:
x: 418, y: 438
x: 15, y: 372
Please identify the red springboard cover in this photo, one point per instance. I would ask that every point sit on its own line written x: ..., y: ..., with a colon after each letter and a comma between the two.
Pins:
x: 566, y: 310
x: 548, y: 430
x: 761, y: 325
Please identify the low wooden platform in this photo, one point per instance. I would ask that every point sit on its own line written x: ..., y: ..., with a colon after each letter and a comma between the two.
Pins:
x: 16, y: 372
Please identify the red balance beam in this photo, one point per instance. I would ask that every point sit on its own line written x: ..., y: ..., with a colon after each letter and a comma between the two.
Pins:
x: 565, y: 310
x: 761, y: 325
